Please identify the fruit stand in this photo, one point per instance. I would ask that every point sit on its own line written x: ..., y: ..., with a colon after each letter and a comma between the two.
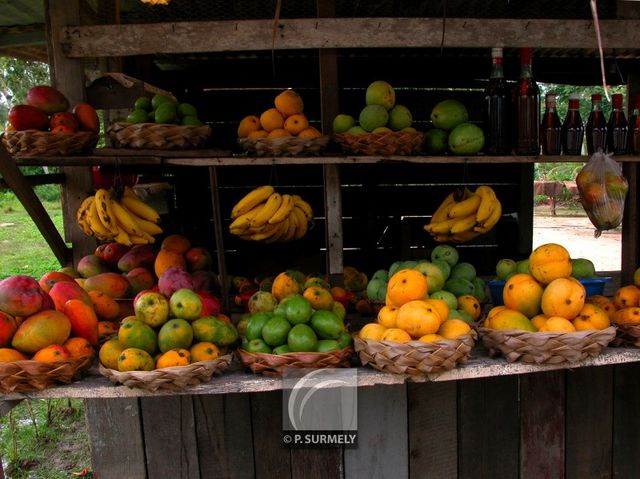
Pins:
x: 486, y: 418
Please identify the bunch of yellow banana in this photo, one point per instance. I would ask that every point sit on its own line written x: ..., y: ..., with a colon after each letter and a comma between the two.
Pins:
x: 464, y: 215
x: 128, y: 220
x: 265, y: 215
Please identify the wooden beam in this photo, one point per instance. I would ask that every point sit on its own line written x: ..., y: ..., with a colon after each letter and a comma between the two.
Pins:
x: 245, y: 35
x: 14, y: 178
x: 34, y: 180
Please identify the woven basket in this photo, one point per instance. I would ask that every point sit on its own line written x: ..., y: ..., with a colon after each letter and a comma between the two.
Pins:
x: 385, y: 144
x: 546, y: 347
x: 176, y: 378
x: 415, y: 358
x: 158, y: 136
x: 627, y: 335
x: 284, y: 146
x: 44, y: 143
x: 275, y: 364
x: 22, y: 376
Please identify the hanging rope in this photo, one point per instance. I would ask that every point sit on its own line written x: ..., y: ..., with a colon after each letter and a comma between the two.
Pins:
x: 276, y: 20
x: 596, y: 24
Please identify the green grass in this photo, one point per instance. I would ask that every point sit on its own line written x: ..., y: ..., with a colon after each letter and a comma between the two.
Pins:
x: 46, y: 439
x: 22, y: 248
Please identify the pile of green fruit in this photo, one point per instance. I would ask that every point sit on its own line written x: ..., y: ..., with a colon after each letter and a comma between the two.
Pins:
x: 452, y: 131
x: 163, y: 109
x: 293, y: 326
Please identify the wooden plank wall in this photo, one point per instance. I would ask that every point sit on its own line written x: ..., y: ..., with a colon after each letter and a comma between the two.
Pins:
x: 561, y: 424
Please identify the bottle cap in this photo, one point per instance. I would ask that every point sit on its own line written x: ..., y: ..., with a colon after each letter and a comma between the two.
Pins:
x: 551, y: 95
x: 596, y: 97
x: 574, y: 96
x: 496, y: 52
x: 616, y: 100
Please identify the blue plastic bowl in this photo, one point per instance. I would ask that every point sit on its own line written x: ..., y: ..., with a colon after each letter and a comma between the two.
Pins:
x: 592, y: 285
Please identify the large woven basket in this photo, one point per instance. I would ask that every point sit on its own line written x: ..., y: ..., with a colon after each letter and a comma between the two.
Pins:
x: 546, y: 347
x: 627, y: 335
x: 275, y: 364
x: 385, y: 144
x: 43, y: 143
x: 284, y: 146
x: 176, y: 378
x: 415, y: 359
x: 158, y: 136
x: 23, y: 376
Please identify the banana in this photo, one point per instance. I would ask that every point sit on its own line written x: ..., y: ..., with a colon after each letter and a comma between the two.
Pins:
x: 283, y: 211
x: 125, y: 220
x: 105, y: 213
x: 122, y: 237
x: 491, y: 221
x: 487, y: 202
x: 281, y: 230
x: 465, y: 207
x: 146, y: 226
x: 267, y: 211
x: 81, y: 215
x: 243, y: 221
x: 442, y: 211
x: 100, y: 231
x: 304, y: 206
x: 251, y: 200
x: 138, y: 239
x: 463, y: 224
x: 292, y: 228
x: 441, y: 227
x: 443, y: 238
x: 463, y: 236
x: 301, y: 223
x: 140, y: 208
x: 266, y: 233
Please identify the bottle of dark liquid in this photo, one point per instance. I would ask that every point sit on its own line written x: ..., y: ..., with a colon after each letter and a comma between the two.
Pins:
x: 526, y: 104
x: 572, y: 129
x: 634, y: 127
x: 596, y: 126
x: 550, y: 128
x: 497, y: 104
x: 617, y: 127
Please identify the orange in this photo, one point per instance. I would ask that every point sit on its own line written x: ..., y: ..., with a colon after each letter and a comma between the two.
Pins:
x: 387, y: 316
x: 289, y: 103
x: 591, y: 317
x: 469, y: 304
x: 174, y: 357
x: 51, y: 354
x: 278, y: 133
x: 310, y: 132
x: 79, y: 347
x: 256, y: 135
x: 453, y: 328
x: 548, y: 262
x: 558, y: 324
x: 406, y: 285
x: 430, y: 338
x: 373, y: 331
x: 271, y: 119
x: 396, y: 334
x: 296, y: 123
x: 248, y: 125
x: 418, y: 318
x: 204, y: 351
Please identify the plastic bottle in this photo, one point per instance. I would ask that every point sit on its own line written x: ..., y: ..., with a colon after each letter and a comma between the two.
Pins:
x: 497, y: 137
x: 596, y: 130
x: 617, y: 127
x: 572, y: 128
x: 550, y: 128
x: 526, y: 102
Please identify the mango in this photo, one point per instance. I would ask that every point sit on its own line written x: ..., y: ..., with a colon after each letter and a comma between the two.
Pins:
x: 134, y: 359
x: 113, y: 284
x: 47, y: 99
x: 41, y: 330
x: 27, y: 117
x: 214, y: 330
x: 175, y: 333
x: 9, y: 355
x: 91, y: 265
x: 138, y: 256
x: 167, y: 259
x: 109, y: 353
x: 198, y: 259
x: 105, y: 307
x: 20, y: 296
x: 52, y: 354
x: 8, y: 327
x: 52, y: 277
x: 113, y: 252
x: 63, y: 291
x: 84, y: 322
x: 136, y: 334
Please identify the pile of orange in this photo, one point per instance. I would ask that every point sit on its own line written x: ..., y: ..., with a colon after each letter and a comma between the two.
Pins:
x: 286, y: 119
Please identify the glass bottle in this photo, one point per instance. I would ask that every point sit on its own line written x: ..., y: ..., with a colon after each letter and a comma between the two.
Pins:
x: 497, y: 104
x: 634, y: 127
x: 526, y: 103
x: 550, y: 128
x: 596, y: 130
x: 617, y: 127
x: 572, y: 128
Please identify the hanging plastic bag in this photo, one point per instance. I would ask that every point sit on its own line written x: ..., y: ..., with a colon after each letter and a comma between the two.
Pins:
x: 602, y: 189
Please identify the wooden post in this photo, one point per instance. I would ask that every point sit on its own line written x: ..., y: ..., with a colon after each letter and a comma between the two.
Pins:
x: 218, y: 234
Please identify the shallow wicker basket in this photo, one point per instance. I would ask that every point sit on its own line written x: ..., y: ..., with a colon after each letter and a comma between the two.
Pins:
x: 284, y: 146
x: 546, y: 347
x: 275, y: 364
x: 158, y: 136
x: 44, y: 143
x: 22, y: 376
x: 415, y: 359
x: 386, y: 144
x: 176, y: 378
x: 627, y: 335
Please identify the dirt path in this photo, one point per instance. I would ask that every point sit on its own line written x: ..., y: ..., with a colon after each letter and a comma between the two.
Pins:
x: 576, y: 234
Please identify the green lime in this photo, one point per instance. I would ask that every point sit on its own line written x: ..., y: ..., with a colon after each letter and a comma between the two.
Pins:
x: 191, y: 121
x: 257, y: 346
x: 282, y: 349
x: 326, y: 345
x: 275, y: 331
x: 137, y: 116
x: 326, y: 324
x: 151, y: 117
x: 143, y: 103
x: 344, y: 340
x: 255, y: 324
x: 302, y: 338
x: 166, y: 113
x: 297, y: 309
x: 187, y: 109
x: 158, y: 100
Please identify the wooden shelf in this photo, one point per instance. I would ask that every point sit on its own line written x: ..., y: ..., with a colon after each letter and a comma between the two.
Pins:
x: 95, y: 386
